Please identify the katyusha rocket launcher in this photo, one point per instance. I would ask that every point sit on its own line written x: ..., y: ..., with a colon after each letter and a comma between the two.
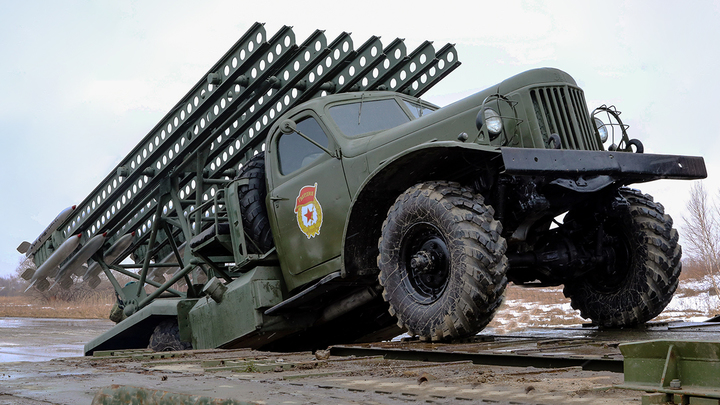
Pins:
x: 208, y: 136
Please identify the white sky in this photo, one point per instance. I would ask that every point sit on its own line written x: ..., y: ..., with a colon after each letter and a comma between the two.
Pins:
x: 84, y: 81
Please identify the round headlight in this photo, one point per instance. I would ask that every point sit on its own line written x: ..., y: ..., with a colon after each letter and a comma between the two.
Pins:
x: 493, y: 122
x: 601, y: 130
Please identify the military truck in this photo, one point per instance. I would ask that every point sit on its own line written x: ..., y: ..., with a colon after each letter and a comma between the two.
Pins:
x: 305, y: 195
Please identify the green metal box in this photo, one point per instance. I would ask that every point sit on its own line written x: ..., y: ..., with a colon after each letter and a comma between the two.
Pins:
x: 239, y: 314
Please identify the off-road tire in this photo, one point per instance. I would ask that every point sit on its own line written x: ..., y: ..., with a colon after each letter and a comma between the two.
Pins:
x: 651, y: 269
x: 252, y: 203
x: 475, y: 279
x: 166, y: 337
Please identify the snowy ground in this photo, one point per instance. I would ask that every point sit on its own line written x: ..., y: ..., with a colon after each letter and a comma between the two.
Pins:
x: 694, y: 300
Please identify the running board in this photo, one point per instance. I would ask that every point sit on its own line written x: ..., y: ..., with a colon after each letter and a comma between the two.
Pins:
x: 321, y: 287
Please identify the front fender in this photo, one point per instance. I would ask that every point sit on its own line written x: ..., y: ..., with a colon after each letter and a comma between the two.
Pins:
x: 452, y: 161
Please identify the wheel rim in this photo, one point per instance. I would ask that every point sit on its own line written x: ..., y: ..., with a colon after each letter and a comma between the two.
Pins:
x: 425, y: 260
x: 619, y: 255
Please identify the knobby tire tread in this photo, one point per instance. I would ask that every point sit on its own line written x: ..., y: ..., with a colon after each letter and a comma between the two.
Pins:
x: 477, y: 253
x: 252, y: 203
x: 654, y: 273
x: 166, y: 337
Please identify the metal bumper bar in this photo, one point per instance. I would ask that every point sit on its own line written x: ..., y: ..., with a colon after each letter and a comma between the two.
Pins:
x: 638, y: 167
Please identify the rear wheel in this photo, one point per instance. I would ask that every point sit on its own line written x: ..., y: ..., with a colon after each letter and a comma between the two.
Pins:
x: 252, y: 203
x: 442, y: 261
x: 642, y: 265
x: 166, y: 337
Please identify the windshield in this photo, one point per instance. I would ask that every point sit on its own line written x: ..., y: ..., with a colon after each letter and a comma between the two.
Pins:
x: 368, y: 116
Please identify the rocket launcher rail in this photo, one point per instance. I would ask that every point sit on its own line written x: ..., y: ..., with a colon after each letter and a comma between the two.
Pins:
x: 223, y: 121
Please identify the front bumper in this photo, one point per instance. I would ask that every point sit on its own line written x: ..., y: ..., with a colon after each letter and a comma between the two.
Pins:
x: 625, y: 167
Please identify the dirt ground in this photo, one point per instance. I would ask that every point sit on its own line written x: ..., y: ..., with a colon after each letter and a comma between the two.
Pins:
x: 301, y: 378
x: 56, y: 373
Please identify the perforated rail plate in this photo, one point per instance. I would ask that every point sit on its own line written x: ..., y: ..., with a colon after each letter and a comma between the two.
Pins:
x: 224, y: 119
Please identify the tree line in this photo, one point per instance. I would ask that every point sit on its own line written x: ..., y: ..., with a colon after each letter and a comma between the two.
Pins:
x: 701, y: 232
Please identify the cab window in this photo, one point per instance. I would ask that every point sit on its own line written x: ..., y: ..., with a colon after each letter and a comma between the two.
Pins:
x: 363, y: 117
x: 417, y: 110
x: 296, y: 152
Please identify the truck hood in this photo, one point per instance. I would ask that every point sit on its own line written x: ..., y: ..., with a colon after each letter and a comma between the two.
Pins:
x: 448, y: 122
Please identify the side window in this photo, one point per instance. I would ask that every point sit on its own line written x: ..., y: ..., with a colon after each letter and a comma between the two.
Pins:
x: 295, y: 152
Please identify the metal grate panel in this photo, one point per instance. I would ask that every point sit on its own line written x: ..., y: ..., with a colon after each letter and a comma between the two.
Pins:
x: 226, y: 115
x: 561, y: 110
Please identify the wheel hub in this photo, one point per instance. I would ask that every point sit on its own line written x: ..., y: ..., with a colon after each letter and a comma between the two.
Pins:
x: 426, y: 262
x: 422, y: 262
x: 610, y: 256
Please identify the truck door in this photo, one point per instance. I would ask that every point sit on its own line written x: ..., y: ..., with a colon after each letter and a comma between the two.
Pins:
x: 308, y: 196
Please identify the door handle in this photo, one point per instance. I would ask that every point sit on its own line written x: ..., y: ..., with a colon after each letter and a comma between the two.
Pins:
x: 277, y: 198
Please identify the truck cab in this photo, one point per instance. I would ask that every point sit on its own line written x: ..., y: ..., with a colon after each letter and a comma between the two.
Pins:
x: 315, y: 170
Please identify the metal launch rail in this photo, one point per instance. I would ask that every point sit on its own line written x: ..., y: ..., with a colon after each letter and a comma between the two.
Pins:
x: 176, y: 172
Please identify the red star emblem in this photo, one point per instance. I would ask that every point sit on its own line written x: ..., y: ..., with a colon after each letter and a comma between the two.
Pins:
x: 309, y: 214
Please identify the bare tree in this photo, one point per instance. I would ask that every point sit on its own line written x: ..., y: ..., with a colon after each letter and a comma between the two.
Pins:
x: 702, y: 231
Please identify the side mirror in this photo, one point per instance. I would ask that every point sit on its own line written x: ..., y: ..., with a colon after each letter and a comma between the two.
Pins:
x: 288, y: 127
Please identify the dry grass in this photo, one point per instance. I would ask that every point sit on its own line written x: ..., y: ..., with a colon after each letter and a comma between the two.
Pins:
x: 685, y: 291
x: 692, y: 270
x: 543, y: 295
x: 29, y: 307
x: 523, y: 307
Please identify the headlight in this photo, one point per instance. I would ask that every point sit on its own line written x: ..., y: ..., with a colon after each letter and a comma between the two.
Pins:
x: 601, y: 130
x: 493, y: 122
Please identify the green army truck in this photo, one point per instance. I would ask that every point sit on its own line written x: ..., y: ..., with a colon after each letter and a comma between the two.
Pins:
x: 304, y: 195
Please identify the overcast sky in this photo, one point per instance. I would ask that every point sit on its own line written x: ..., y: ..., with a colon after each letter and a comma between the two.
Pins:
x: 84, y: 81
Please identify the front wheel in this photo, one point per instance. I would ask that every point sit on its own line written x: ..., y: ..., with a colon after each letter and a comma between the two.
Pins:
x: 642, y: 268
x: 442, y: 261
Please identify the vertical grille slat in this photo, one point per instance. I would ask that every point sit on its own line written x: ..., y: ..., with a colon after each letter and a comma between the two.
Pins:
x: 562, y: 110
x: 572, y: 122
x: 586, y: 125
x: 542, y: 124
x: 582, y: 123
x: 557, y: 117
x: 551, y: 115
x: 566, y: 129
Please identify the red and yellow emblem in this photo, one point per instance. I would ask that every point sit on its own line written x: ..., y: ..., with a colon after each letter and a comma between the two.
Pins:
x: 309, y: 211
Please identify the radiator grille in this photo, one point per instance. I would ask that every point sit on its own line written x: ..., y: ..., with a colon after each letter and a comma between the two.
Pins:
x: 562, y: 110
